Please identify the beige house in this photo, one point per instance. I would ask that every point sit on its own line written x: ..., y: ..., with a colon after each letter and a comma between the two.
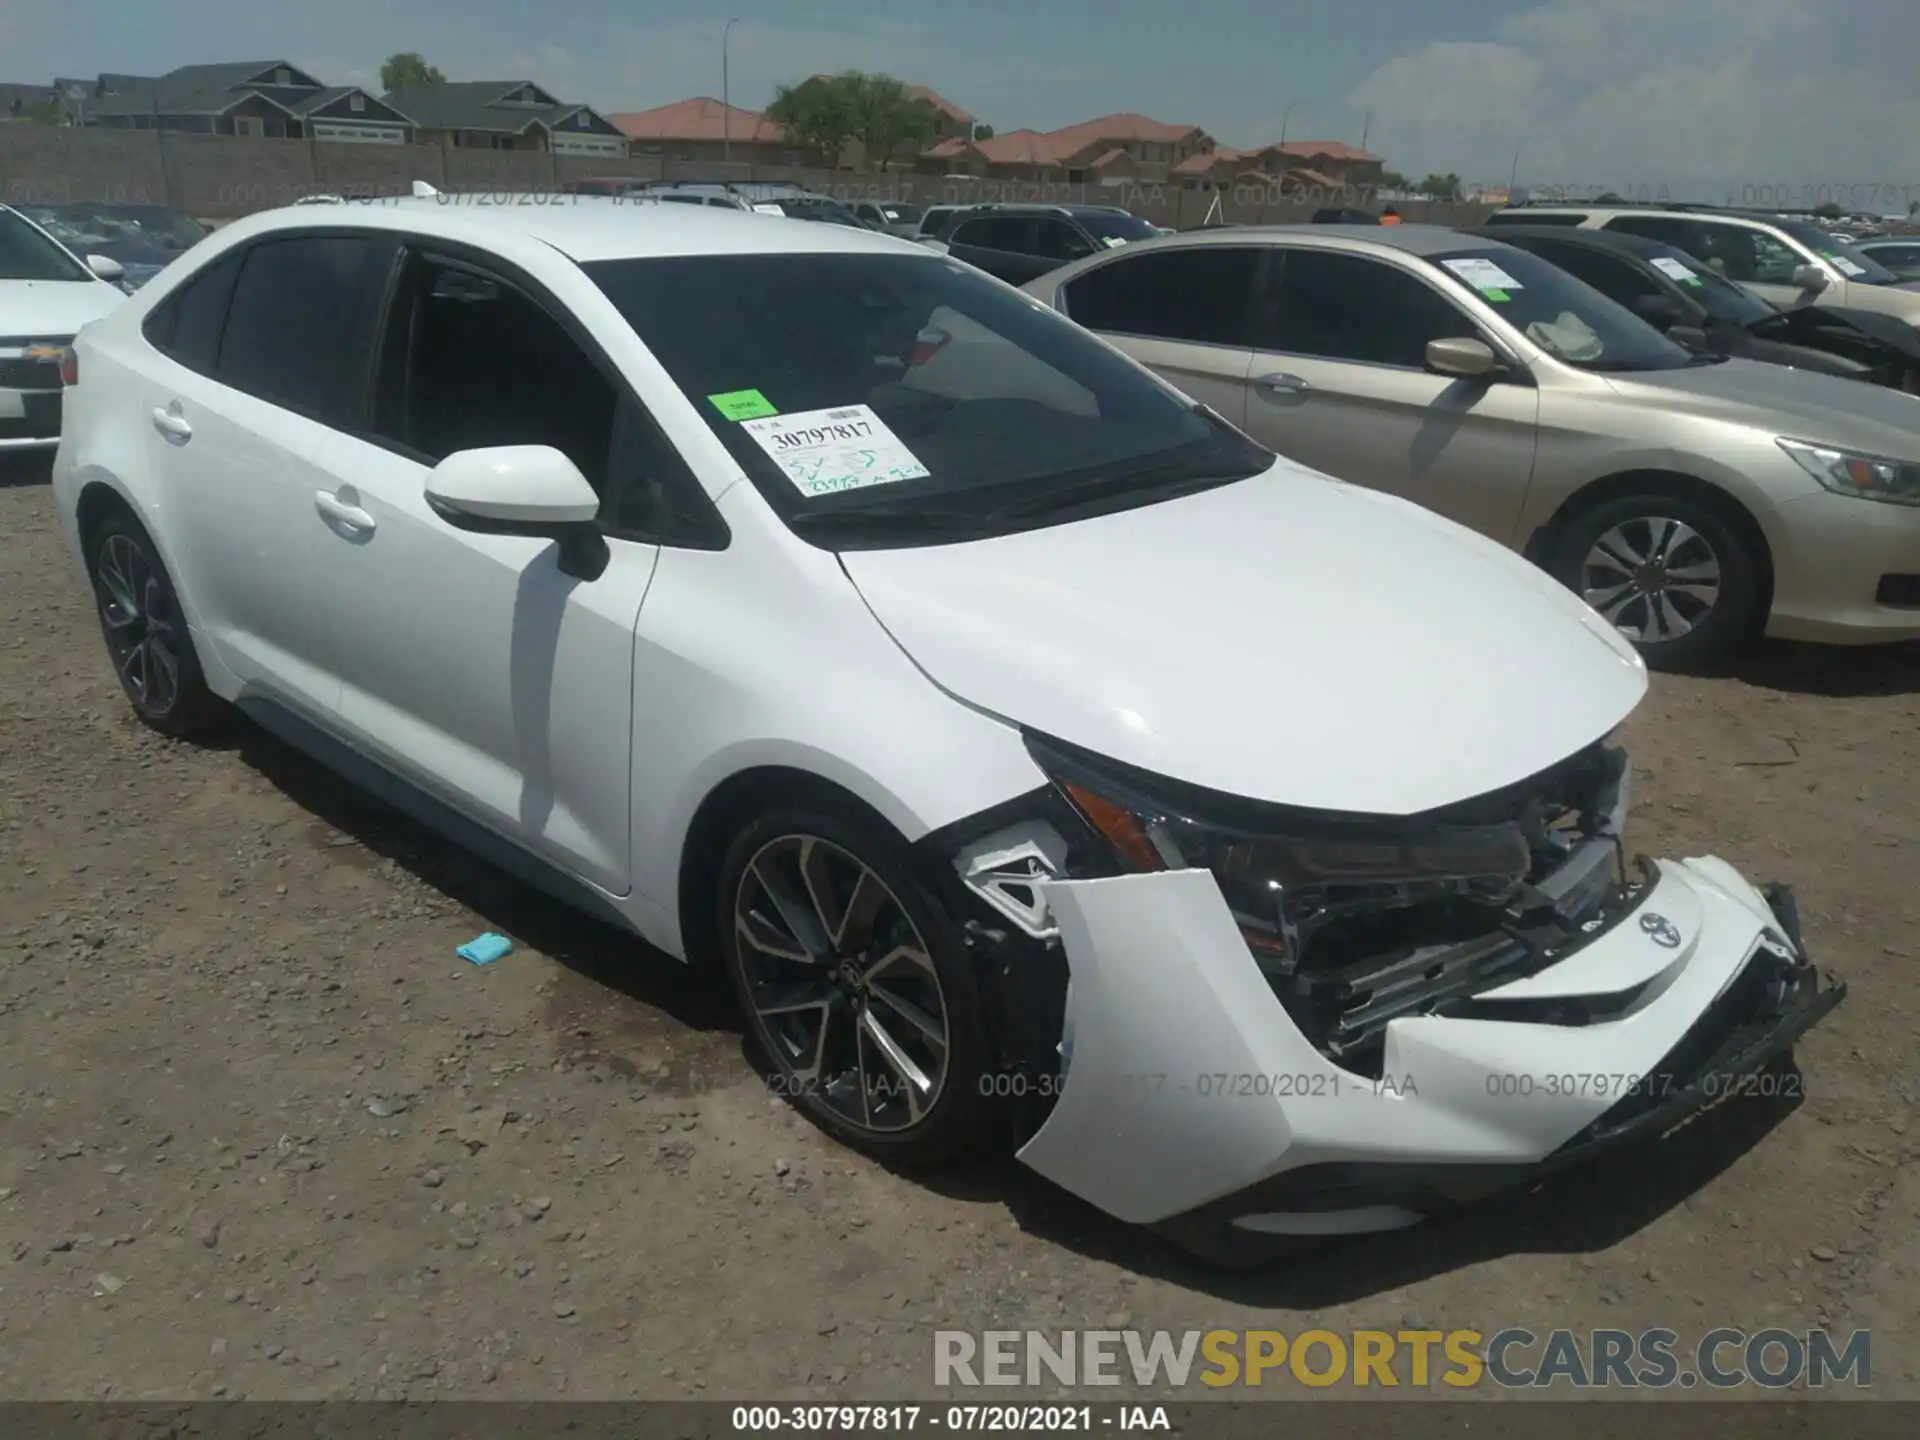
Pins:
x: 506, y: 115
x: 1113, y: 150
x: 1304, y: 165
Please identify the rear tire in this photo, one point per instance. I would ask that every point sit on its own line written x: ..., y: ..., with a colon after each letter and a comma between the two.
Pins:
x: 146, y: 631
x: 855, y: 983
x: 1668, y: 571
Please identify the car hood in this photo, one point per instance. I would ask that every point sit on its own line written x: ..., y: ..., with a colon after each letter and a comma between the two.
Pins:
x: 1804, y: 325
x: 31, y: 309
x: 1795, y: 403
x: 1288, y: 638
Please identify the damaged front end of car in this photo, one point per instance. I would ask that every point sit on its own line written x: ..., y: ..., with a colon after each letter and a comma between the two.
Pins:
x: 1288, y: 1023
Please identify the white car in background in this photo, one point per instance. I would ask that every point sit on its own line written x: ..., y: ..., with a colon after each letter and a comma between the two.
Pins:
x: 1026, y: 743
x: 46, y: 295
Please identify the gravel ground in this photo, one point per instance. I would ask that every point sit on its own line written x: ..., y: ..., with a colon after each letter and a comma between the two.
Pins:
x: 262, y: 1135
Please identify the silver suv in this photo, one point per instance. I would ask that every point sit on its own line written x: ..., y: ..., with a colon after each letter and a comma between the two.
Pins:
x: 1778, y: 257
x: 1690, y: 499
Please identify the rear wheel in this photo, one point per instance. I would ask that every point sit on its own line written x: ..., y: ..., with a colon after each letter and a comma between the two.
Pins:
x: 1668, y: 572
x: 855, y: 983
x: 145, y: 630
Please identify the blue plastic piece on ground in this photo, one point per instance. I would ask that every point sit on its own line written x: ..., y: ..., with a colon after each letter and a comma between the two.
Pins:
x: 485, y: 949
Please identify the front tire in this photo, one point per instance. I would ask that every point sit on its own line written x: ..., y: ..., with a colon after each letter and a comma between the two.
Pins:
x: 855, y: 983
x: 1669, y: 572
x: 146, y: 630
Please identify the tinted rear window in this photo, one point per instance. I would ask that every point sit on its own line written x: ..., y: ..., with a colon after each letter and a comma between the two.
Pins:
x: 300, y: 330
x: 187, y: 324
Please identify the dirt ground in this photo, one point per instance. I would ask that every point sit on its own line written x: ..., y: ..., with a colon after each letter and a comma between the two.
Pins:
x: 262, y: 1134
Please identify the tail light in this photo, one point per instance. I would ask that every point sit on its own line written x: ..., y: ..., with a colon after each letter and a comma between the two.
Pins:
x: 69, y: 367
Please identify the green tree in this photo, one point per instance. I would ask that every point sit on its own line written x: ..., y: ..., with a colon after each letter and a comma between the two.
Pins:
x: 1830, y: 211
x: 983, y: 132
x: 1392, y: 180
x: 1440, y: 187
x: 818, y: 113
x: 43, y: 112
x: 406, y: 68
x: 829, y: 112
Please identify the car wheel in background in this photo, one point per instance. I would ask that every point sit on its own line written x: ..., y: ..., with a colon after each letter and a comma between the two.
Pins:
x: 855, y: 982
x: 145, y: 630
x: 1667, y: 571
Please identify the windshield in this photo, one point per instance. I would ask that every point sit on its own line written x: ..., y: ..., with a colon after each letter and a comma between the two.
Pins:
x: 902, y: 214
x: 154, y: 226
x: 1711, y: 291
x: 1114, y: 227
x: 1843, y: 255
x: 910, y: 389
x: 1566, y: 317
x: 26, y: 254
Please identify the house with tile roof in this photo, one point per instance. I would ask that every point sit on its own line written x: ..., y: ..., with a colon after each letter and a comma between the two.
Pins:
x: 506, y: 115
x: 1114, y: 149
x: 1309, y: 165
x: 704, y: 129
x: 269, y: 98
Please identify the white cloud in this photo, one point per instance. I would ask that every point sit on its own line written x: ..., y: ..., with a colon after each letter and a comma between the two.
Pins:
x: 1644, y: 95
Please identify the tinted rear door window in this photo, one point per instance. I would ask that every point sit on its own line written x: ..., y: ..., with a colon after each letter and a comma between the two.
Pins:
x: 300, y: 331
x: 1006, y: 233
x: 1668, y: 228
x: 1343, y: 307
x: 1059, y: 240
x: 186, y: 325
x: 1204, y: 294
x: 1612, y: 276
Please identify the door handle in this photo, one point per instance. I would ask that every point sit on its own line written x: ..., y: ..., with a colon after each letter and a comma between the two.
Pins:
x: 172, y: 424
x: 352, y: 516
x: 1282, y: 384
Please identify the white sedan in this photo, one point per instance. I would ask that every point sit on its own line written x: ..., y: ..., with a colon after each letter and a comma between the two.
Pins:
x: 1031, y: 748
x: 46, y: 295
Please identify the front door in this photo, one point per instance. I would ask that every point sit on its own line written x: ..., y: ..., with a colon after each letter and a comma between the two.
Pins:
x: 1339, y: 382
x: 473, y: 663
x: 1186, y: 313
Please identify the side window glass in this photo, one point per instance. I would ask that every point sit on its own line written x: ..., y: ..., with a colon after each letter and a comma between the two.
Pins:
x: 1343, y: 307
x: 1203, y: 294
x: 1655, y: 227
x: 1727, y: 249
x: 473, y: 362
x: 1060, y: 241
x: 186, y: 325
x: 1773, y: 262
x: 300, y: 329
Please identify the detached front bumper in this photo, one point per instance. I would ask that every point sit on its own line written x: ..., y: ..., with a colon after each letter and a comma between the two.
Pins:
x: 1194, y: 1104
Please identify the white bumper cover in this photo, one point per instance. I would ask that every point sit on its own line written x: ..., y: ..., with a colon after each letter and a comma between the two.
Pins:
x: 1188, y: 1081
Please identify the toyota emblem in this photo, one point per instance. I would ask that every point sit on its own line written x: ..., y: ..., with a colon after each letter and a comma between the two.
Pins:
x: 1662, y: 931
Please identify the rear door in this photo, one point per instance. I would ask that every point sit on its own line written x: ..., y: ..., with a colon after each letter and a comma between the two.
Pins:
x: 252, y: 413
x: 1187, y: 313
x: 1339, y: 382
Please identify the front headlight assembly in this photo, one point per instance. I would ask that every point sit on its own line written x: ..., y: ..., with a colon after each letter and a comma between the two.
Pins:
x: 1865, y: 477
x: 1357, y: 918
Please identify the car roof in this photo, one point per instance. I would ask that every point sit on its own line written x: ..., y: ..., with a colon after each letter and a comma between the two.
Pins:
x: 1409, y: 239
x: 585, y: 228
x: 1592, y: 239
x: 1041, y: 207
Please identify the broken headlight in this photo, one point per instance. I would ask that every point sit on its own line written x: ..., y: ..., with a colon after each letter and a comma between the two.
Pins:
x: 1307, y: 884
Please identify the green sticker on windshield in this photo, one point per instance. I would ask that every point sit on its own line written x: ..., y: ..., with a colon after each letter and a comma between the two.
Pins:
x: 1496, y: 295
x: 743, y: 405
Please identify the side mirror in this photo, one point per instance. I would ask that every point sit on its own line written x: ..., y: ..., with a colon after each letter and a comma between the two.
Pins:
x: 1466, y: 358
x: 530, y: 490
x: 1811, y: 279
x: 1663, y: 312
x: 106, y: 267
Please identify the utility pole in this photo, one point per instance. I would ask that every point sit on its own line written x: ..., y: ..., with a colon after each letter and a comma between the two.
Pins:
x: 726, y: 99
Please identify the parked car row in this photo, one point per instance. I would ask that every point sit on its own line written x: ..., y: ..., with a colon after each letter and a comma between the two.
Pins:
x: 1038, y: 737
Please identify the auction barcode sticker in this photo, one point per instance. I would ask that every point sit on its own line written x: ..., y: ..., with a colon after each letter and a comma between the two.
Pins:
x: 845, y: 448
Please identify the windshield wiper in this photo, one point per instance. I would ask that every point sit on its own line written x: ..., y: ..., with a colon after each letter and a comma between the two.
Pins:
x: 885, y: 520
x: 1165, y: 482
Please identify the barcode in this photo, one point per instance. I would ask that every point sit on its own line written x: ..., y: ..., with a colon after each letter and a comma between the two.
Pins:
x: 843, y: 414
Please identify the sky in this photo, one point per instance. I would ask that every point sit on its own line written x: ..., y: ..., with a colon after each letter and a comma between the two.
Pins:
x: 1763, y: 101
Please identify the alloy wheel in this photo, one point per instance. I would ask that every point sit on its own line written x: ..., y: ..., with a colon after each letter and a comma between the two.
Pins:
x: 1654, y: 579
x: 841, y: 984
x: 143, y: 628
